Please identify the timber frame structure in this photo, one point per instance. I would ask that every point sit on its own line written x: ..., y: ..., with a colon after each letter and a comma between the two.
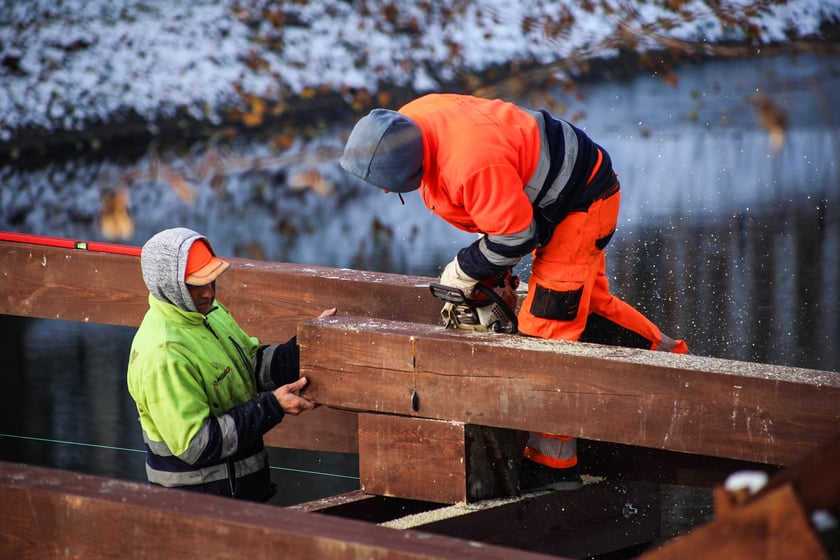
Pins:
x: 436, y: 418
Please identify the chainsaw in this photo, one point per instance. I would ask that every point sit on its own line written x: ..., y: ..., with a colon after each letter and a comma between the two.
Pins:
x: 490, y: 306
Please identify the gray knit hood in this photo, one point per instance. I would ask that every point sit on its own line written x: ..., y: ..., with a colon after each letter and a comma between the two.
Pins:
x: 385, y: 149
x: 164, y: 264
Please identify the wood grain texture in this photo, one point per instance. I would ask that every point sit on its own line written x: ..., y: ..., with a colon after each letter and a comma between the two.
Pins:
x: 707, y: 406
x: 54, y: 514
x: 437, y: 461
x: 268, y: 299
x: 412, y: 458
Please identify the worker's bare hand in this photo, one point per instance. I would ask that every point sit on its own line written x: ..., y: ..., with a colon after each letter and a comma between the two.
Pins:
x: 288, y: 396
x: 327, y: 313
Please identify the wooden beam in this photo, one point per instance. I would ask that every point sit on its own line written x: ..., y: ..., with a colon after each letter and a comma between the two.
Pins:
x: 74, y: 285
x: 52, y: 514
x: 706, y: 406
x: 437, y: 461
x: 412, y: 458
x: 268, y: 299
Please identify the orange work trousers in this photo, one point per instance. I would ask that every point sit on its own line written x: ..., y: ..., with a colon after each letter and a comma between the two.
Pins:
x: 567, y: 289
x: 568, y: 280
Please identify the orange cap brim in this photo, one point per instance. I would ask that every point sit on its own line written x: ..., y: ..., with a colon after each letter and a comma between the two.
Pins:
x: 208, y: 272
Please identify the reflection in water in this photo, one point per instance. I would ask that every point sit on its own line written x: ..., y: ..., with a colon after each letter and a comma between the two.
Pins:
x: 69, y: 387
x: 759, y: 287
x: 724, y: 240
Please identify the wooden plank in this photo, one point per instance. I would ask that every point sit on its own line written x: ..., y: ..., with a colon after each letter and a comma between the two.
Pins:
x: 412, y: 458
x: 437, y: 461
x: 55, y: 514
x: 268, y: 299
x: 707, y: 406
x: 75, y: 285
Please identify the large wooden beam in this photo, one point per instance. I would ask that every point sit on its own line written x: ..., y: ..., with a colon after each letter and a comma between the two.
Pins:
x: 268, y: 299
x: 75, y: 285
x: 706, y: 406
x: 54, y: 514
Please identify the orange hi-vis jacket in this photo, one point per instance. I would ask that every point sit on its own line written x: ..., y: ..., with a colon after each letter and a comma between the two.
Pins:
x: 495, y: 168
x: 478, y: 156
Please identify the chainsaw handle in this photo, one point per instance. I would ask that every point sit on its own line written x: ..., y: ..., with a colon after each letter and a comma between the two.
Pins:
x: 448, y: 293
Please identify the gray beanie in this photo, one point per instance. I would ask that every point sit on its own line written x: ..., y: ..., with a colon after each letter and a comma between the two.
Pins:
x: 385, y: 149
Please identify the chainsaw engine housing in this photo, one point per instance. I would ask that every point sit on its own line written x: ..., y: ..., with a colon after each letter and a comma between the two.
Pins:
x: 490, y: 306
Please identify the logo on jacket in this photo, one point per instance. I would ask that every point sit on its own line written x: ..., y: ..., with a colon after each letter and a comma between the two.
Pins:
x: 221, y: 376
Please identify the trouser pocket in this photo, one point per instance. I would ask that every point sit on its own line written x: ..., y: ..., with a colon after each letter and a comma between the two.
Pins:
x: 556, y: 305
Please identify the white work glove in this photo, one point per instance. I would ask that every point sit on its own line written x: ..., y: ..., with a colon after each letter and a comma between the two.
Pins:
x: 454, y: 277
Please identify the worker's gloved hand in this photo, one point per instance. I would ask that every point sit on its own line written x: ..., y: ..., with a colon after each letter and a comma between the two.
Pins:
x: 454, y: 277
x: 490, y: 305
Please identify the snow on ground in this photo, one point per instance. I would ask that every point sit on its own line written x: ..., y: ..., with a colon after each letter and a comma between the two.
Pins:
x: 64, y: 63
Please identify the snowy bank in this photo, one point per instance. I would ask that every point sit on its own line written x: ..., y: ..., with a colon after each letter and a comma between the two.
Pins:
x: 65, y: 65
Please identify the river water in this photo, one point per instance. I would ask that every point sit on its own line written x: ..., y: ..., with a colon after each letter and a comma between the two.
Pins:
x: 729, y: 237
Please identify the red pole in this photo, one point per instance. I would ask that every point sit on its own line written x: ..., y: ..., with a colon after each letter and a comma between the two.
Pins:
x: 70, y: 243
